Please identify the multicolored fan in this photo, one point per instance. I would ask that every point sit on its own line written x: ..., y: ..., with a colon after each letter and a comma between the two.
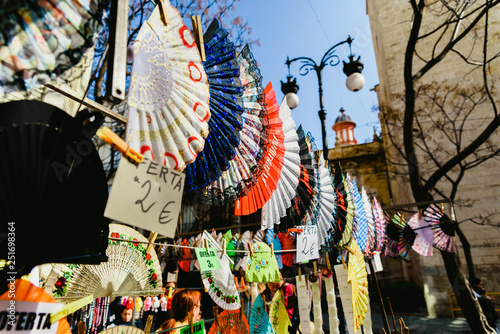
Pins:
x: 370, y: 224
x: 341, y: 206
x: 220, y: 283
x: 226, y: 107
x: 378, y: 216
x: 280, y: 200
x: 442, y: 227
x: 168, y: 93
x: 243, y: 245
x: 259, y: 320
x: 230, y: 322
x: 312, y: 212
x: 287, y: 243
x: 245, y: 168
x: 360, y: 229
x: 41, y: 40
x: 400, y: 237
x: 326, y: 206
x: 272, y: 239
x: 358, y: 279
x: 272, y: 163
x: 262, y: 266
x: 424, y: 235
x: 278, y: 314
x: 130, y: 270
x: 349, y: 218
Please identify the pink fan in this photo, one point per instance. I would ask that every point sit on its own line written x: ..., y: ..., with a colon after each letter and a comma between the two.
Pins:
x: 442, y: 228
x: 370, y: 242
x: 378, y: 216
x: 424, y: 239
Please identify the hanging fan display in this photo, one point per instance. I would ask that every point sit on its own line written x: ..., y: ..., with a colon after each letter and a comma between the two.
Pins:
x: 230, y: 322
x: 340, y: 208
x: 130, y: 270
x: 304, y: 193
x: 50, y: 172
x: 168, y: 93
x: 226, y: 106
x: 370, y: 225
x: 272, y: 162
x: 400, y: 238
x: 326, y: 206
x: 313, y: 209
x: 360, y: 229
x: 122, y: 330
x: 379, y: 218
x: 442, y: 228
x: 276, y: 207
x: 41, y: 40
x: 220, y: 283
x: 278, y: 314
x: 287, y: 243
x: 245, y: 168
x: 261, y: 266
x: 358, y: 279
x: 259, y: 320
x: 424, y: 237
x: 349, y: 219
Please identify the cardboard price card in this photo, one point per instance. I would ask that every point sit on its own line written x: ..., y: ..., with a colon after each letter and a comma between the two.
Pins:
x: 28, y: 317
x: 198, y: 328
x: 307, y: 243
x: 147, y: 195
x: 208, y: 261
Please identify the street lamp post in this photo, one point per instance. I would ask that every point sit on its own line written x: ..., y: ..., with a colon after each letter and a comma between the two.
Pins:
x: 355, y: 80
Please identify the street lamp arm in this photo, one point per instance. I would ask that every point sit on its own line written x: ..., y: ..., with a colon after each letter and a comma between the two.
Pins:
x: 307, y: 64
x: 330, y: 53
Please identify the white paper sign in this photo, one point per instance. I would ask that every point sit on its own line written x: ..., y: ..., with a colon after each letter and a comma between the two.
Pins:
x: 345, y: 296
x: 28, y: 317
x: 146, y: 195
x: 377, y: 262
x: 304, y: 302
x: 307, y: 244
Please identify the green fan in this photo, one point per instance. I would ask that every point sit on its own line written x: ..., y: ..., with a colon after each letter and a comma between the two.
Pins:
x: 262, y: 266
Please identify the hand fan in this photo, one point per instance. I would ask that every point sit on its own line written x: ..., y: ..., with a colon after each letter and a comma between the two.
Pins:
x: 228, y: 236
x: 168, y: 93
x: 245, y: 168
x: 304, y: 193
x: 379, y: 218
x: 230, y: 322
x: 400, y: 237
x: 258, y: 236
x: 220, y: 283
x: 50, y: 172
x: 358, y: 279
x: 326, y: 206
x: 226, y: 107
x: 243, y: 245
x: 276, y: 207
x: 360, y: 229
x: 122, y: 330
x: 259, y: 320
x: 442, y: 227
x: 261, y: 266
x: 349, y: 219
x: 129, y: 271
x: 424, y: 237
x: 272, y: 162
x: 341, y: 207
x: 187, y: 255
x: 370, y: 222
x: 278, y: 314
x: 42, y: 40
x: 313, y: 210
x: 286, y: 243
x: 273, y: 239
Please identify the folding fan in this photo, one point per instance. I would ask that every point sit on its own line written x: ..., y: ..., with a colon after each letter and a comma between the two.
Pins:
x: 326, y: 206
x: 226, y: 107
x: 287, y: 243
x: 122, y: 330
x: 349, y: 218
x: 312, y: 212
x: 50, y: 176
x: 187, y: 254
x: 259, y: 320
x: 220, y: 283
x: 129, y: 271
x: 278, y: 314
x: 424, y: 237
x: 230, y: 322
x: 245, y: 168
x: 276, y: 207
x: 379, y: 218
x: 360, y: 229
x: 168, y: 93
x: 228, y: 236
x: 273, y: 239
x: 304, y: 193
x: 400, y: 237
x: 261, y: 266
x: 370, y: 224
x: 341, y: 206
x: 43, y: 39
x: 358, y: 279
x: 272, y: 162
x: 442, y: 227
x: 243, y: 245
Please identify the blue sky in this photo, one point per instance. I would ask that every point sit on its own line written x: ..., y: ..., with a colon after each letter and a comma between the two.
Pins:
x: 308, y: 28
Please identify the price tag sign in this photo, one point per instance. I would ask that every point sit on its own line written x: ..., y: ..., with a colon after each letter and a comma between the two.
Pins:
x: 208, y: 261
x: 307, y: 244
x: 28, y: 317
x: 377, y: 262
x: 198, y: 328
x: 147, y: 195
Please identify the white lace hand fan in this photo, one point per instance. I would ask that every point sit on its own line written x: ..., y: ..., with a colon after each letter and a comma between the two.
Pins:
x: 326, y: 206
x: 168, y: 94
x: 129, y: 271
x: 220, y: 283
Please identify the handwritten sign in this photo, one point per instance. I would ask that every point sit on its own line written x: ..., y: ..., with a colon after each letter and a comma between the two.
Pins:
x: 28, y: 317
x: 198, y: 328
x: 208, y: 260
x: 307, y: 244
x: 147, y: 195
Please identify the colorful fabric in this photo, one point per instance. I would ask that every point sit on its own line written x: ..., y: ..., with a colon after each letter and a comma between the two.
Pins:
x: 259, y: 319
x: 262, y: 267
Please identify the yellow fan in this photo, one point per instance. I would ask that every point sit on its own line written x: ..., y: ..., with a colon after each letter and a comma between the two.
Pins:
x: 357, y: 277
x: 129, y: 271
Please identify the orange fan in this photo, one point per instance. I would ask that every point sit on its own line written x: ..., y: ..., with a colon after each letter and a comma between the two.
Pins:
x: 27, y: 292
x: 272, y: 162
x: 230, y: 322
